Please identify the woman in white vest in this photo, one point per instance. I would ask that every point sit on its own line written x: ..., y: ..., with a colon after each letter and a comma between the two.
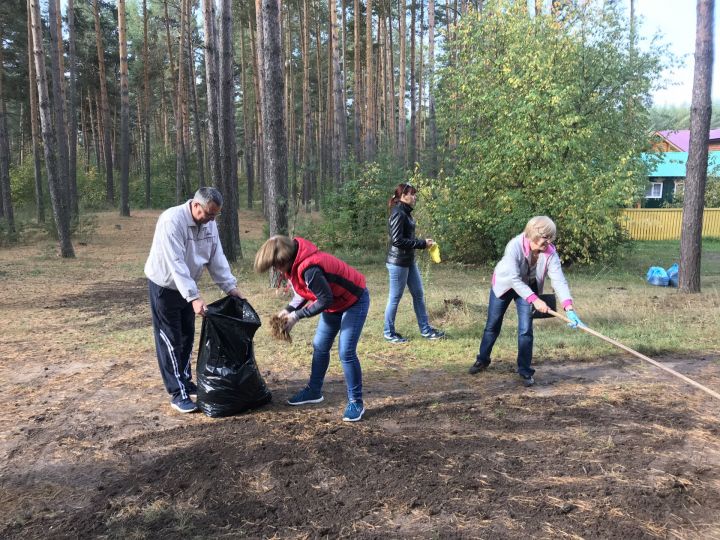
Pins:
x: 519, y: 276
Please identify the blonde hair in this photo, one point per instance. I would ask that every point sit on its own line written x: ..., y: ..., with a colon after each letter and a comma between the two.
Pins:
x: 540, y: 227
x: 278, y: 251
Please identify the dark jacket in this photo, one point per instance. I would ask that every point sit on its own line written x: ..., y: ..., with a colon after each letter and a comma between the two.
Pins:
x: 401, y: 228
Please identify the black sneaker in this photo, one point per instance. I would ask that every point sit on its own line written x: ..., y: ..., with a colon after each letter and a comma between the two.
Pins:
x: 433, y: 333
x: 395, y: 338
x: 528, y: 381
x: 477, y: 367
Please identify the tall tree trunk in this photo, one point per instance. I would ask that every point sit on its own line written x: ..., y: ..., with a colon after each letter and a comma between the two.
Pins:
x: 104, y: 113
x: 196, y: 112
x: 390, y: 55
x: 328, y: 144
x: 412, y: 157
x: 700, y: 112
x: 85, y: 133
x: 34, y: 128
x: 287, y: 58
x: 308, y: 146
x: 343, y: 62
x: 211, y: 82
x: 72, y: 112
x: 248, y: 132
x: 22, y: 133
x: 57, y: 197
x: 91, y: 121
x: 419, y: 127
x: 184, y: 42
x: 171, y: 57
x: 57, y: 74
x: 180, y: 161
x: 5, y: 190
x: 146, y: 106
x: 100, y: 129
x: 229, y: 229
x: 164, y: 112
x: 401, y: 142
x: 124, y: 113
x: 255, y: 48
x: 370, y: 120
x: 432, y: 129
x: 339, y: 126
x: 114, y: 128
x: 357, y: 77
x: 321, y: 128
x: 273, y: 121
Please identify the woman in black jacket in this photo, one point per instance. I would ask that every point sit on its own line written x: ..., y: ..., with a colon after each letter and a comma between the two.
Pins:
x: 401, y: 265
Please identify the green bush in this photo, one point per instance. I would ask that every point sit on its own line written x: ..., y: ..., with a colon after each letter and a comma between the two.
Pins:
x: 92, y: 189
x: 162, y: 182
x: 355, y: 216
x: 22, y: 184
x: 712, y: 195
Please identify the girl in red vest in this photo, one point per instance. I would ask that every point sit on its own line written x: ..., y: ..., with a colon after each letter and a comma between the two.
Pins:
x: 326, y: 286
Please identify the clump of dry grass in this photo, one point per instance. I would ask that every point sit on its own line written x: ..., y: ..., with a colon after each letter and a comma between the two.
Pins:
x: 277, y: 329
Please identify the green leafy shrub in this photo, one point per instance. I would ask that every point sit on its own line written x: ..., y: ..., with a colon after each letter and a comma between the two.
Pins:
x: 162, y: 182
x: 355, y: 216
x: 541, y: 116
x: 92, y: 189
x: 22, y: 184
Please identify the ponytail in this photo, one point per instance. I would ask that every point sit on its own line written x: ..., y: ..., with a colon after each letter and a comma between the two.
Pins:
x: 401, y: 190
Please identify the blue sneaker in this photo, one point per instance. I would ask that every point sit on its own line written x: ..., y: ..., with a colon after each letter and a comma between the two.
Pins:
x: 183, y: 405
x: 305, y: 396
x: 433, y: 333
x: 353, y: 411
x: 394, y: 338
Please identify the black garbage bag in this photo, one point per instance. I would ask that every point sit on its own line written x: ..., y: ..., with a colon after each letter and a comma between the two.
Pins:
x: 229, y: 381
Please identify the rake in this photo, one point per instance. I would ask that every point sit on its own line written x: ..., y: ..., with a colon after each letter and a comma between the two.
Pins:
x: 639, y: 355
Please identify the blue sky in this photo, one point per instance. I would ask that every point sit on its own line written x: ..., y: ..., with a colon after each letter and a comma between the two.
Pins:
x: 675, y: 21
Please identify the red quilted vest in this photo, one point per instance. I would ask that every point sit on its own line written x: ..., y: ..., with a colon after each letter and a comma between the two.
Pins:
x: 346, y: 283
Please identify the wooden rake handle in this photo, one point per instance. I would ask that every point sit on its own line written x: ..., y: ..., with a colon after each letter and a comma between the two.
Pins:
x: 639, y: 355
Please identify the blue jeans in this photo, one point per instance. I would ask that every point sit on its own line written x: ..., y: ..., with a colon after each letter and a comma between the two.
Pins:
x: 400, y: 276
x: 496, y: 311
x: 349, y: 324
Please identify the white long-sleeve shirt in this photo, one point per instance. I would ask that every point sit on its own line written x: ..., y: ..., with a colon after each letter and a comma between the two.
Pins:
x: 181, y: 249
x: 514, y: 271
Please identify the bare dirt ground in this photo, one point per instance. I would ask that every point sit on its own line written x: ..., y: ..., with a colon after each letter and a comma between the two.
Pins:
x: 90, y: 449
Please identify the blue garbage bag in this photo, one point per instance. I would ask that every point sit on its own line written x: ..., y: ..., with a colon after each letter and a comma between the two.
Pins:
x: 672, y: 273
x: 657, y: 276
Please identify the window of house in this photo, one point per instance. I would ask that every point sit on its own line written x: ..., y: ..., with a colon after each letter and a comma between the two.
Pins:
x: 654, y: 190
x: 679, y: 188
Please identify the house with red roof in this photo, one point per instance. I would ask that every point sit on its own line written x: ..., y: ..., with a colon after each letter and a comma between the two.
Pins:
x: 678, y: 140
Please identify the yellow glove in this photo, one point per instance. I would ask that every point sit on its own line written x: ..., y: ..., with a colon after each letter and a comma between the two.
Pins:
x: 434, y: 253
